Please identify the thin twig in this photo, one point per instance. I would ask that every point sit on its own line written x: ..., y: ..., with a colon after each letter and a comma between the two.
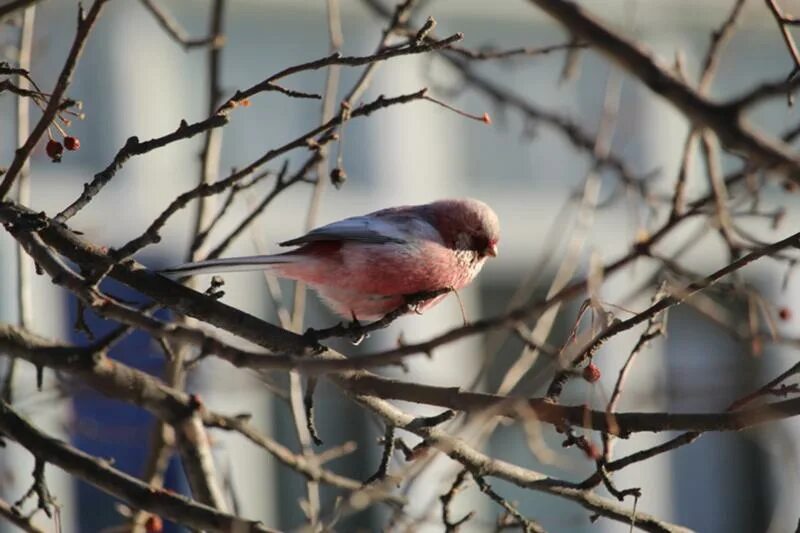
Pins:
x: 174, y: 30
x: 151, y: 235
x: 523, y: 51
x: 783, y: 24
x: 388, y: 449
x: 448, y: 497
x: 85, y: 25
x: 526, y: 524
x: 724, y: 119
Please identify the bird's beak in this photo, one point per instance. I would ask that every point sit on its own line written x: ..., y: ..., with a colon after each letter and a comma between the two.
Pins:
x: 492, y: 249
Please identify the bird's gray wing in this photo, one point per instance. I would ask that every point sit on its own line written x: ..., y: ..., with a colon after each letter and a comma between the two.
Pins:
x: 367, y: 229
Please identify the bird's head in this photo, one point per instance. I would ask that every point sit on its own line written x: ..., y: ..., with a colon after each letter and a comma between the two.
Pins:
x: 467, y: 224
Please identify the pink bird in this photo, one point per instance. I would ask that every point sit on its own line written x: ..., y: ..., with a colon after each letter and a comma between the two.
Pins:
x: 363, y: 267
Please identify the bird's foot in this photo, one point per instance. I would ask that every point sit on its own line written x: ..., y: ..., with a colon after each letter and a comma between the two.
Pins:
x: 415, y: 303
x: 355, y: 333
x: 313, y: 337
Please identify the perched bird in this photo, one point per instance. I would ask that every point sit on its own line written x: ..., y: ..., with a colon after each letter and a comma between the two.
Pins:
x: 363, y: 267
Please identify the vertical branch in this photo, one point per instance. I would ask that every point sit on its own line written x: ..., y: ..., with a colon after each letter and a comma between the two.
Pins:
x: 24, y: 265
x: 783, y: 24
x: 192, y: 441
x: 710, y: 150
x: 577, y: 239
x: 190, y: 438
x: 719, y: 39
x: 328, y: 107
x: 302, y: 405
x: 162, y: 440
x: 400, y: 18
x: 212, y: 142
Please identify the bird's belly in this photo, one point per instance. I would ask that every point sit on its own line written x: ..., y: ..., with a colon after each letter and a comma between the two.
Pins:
x: 365, y: 307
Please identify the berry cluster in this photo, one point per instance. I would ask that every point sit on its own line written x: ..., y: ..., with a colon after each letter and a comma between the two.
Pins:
x: 55, y: 150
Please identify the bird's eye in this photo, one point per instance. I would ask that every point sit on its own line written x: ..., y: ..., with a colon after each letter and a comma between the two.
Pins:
x: 484, y: 246
x: 478, y: 243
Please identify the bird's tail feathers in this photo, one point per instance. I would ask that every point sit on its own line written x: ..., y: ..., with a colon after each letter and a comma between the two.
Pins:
x: 232, y: 264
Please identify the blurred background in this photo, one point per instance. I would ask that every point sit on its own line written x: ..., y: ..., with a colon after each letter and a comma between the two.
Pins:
x: 134, y: 80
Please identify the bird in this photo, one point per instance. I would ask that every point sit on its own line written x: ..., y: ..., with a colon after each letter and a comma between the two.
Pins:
x: 364, y: 267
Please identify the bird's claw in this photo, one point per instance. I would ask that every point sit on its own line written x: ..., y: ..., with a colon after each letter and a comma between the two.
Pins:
x: 414, y: 304
x: 356, y: 336
x: 312, y: 336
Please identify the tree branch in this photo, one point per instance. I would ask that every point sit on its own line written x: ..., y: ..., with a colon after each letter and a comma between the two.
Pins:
x: 85, y: 25
x: 123, y: 486
x: 725, y: 120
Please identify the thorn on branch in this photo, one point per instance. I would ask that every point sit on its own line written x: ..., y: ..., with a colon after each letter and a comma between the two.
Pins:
x: 80, y: 322
x: 404, y: 448
x: 412, y: 454
x: 785, y: 390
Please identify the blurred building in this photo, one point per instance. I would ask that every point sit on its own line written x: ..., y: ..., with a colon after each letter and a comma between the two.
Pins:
x: 134, y: 80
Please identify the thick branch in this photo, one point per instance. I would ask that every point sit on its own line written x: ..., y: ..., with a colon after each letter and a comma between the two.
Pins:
x: 121, y: 382
x: 125, y: 487
x: 724, y: 120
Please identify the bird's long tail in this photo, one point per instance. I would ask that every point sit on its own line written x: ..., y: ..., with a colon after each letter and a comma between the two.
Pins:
x: 232, y: 264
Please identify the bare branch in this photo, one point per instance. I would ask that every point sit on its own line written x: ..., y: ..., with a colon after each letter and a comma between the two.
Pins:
x: 125, y: 487
x: 85, y: 25
x: 174, y: 30
x: 725, y: 120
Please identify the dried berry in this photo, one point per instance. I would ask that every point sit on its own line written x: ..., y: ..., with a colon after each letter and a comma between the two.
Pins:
x: 338, y: 177
x: 591, y: 373
x: 154, y: 524
x: 54, y: 150
x: 195, y: 402
x: 72, y: 143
